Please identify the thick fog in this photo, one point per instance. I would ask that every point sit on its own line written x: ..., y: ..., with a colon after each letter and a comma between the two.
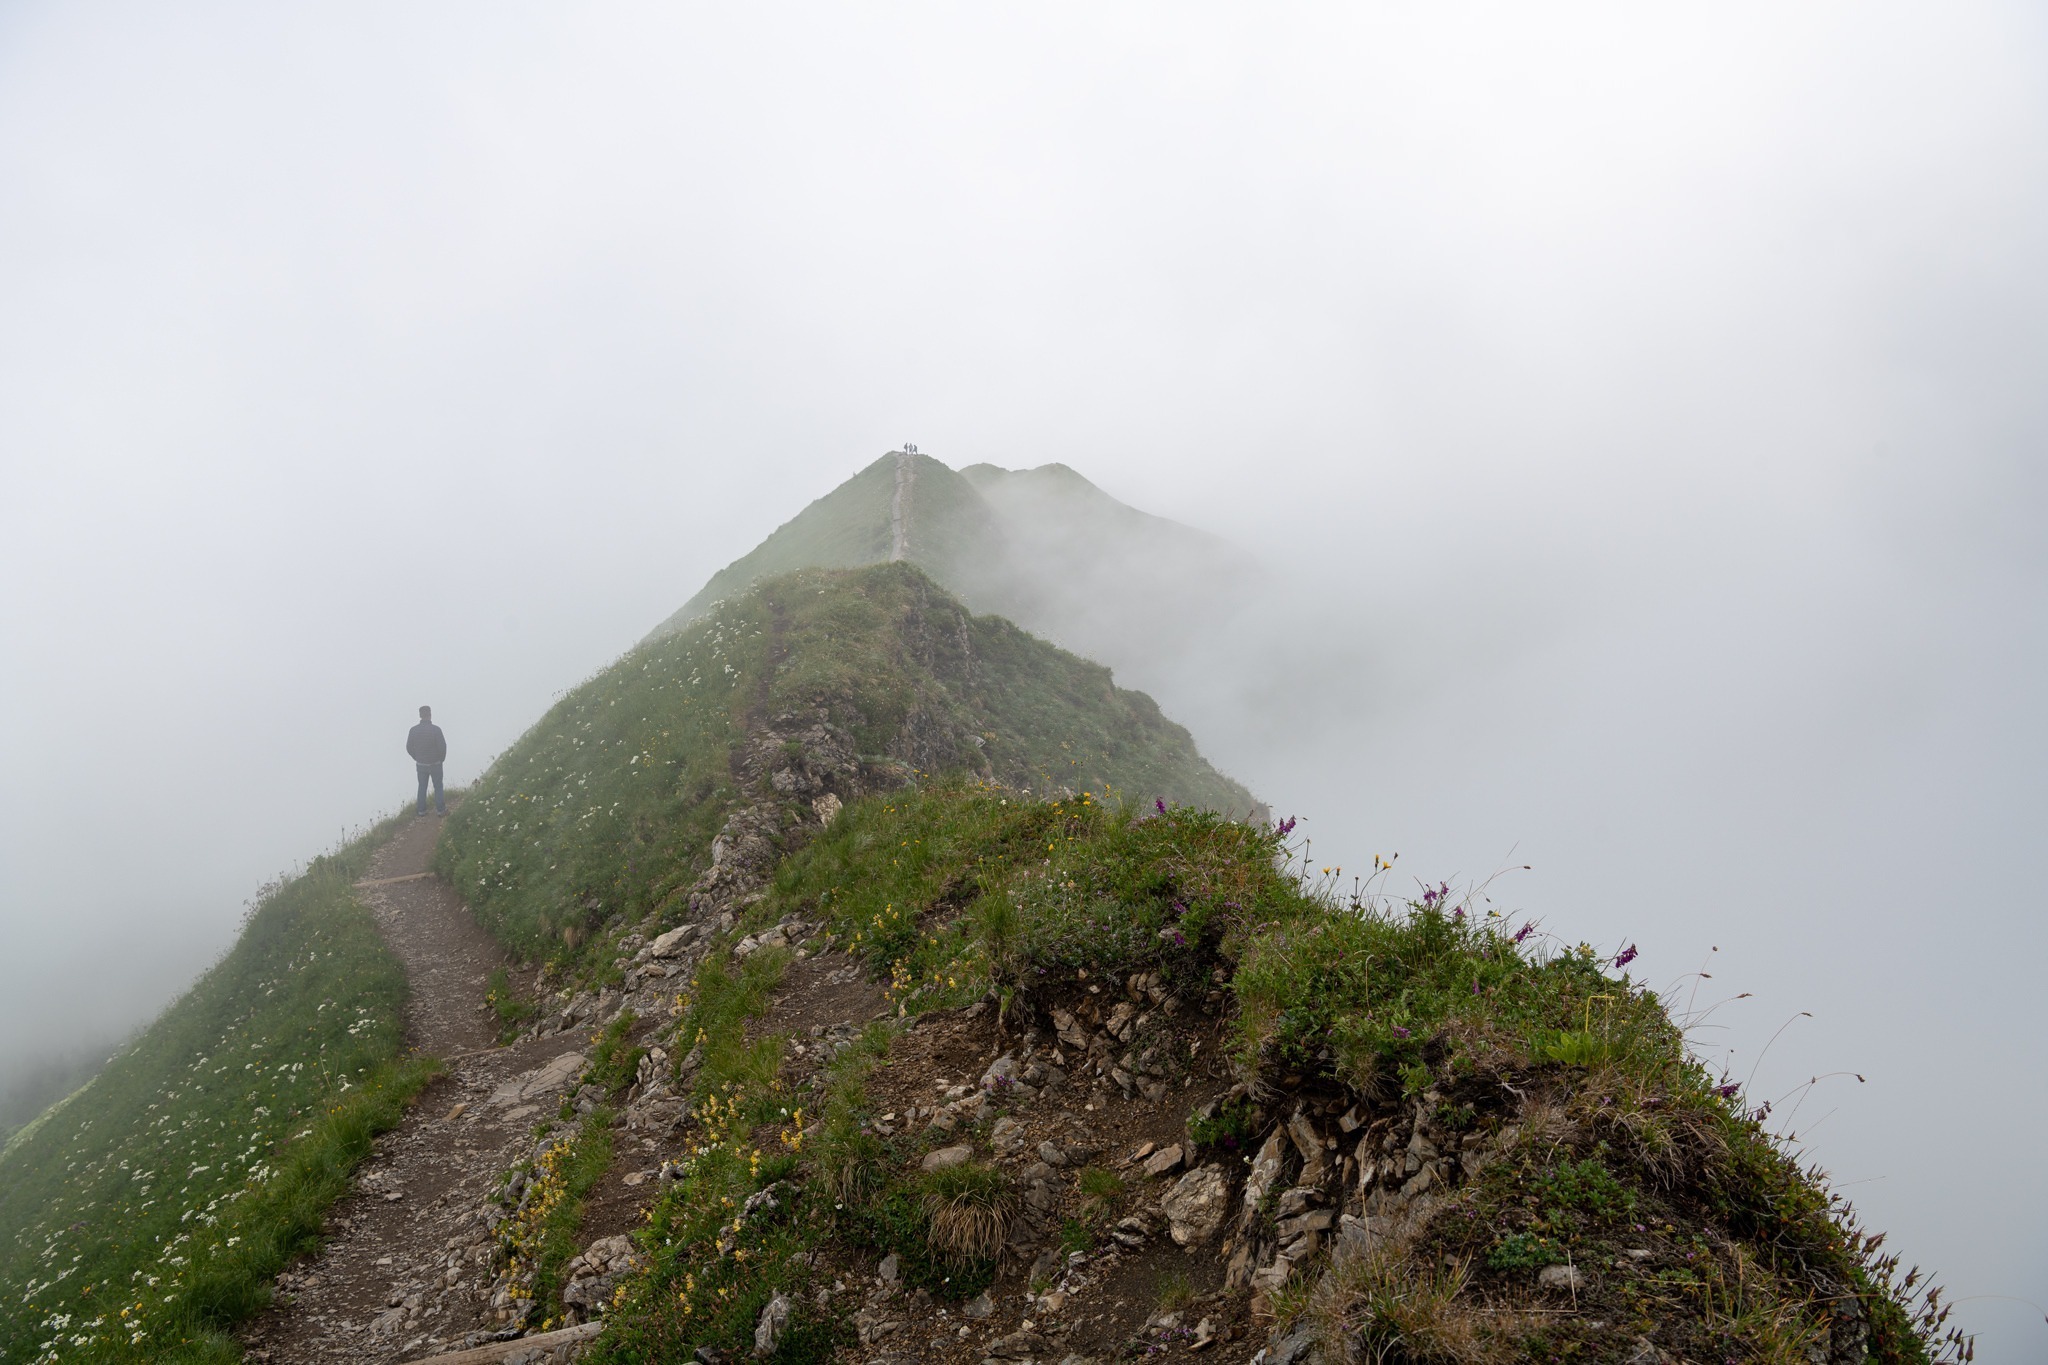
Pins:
x: 1640, y: 413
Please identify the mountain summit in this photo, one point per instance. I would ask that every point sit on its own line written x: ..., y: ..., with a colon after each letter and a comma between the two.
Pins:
x: 1044, y: 547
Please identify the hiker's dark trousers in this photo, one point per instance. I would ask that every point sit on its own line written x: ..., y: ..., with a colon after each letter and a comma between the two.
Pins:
x: 431, y: 772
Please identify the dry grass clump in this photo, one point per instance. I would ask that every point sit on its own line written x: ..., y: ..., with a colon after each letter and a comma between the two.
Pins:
x: 848, y: 1165
x: 1668, y: 1131
x: 970, y: 1209
x: 1387, y: 1306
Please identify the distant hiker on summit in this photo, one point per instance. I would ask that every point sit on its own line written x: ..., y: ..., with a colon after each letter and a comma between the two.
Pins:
x: 428, y: 747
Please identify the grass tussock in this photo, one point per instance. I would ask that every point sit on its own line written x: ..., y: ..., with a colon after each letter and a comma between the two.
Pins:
x: 147, y: 1215
x: 1386, y: 1307
x: 970, y: 1209
x: 614, y: 1058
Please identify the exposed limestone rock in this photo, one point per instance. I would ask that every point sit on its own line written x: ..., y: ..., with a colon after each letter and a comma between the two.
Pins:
x: 1196, y: 1205
x: 596, y: 1273
x: 769, y: 1328
x: 539, y: 1082
x: 946, y: 1157
x: 1163, y: 1162
x: 1266, y: 1169
x: 674, y: 942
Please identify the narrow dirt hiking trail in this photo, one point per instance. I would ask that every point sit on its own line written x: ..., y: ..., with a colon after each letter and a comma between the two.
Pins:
x: 407, y: 1267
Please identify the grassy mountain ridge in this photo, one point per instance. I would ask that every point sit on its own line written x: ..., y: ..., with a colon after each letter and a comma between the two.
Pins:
x: 1441, y: 1141
x: 851, y: 527
x: 608, y: 808
x: 1043, y: 546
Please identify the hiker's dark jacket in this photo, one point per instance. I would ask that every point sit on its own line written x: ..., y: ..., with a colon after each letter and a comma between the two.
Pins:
x: 425, y: 743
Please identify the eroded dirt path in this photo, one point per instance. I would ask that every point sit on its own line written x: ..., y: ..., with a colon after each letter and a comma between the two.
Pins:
x: 408, y: 1268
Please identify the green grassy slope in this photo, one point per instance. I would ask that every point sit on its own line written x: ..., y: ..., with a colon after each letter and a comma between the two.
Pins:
x: 846, y: 528
x: 47, y: 1083
x: 607, y: 807
x: 1609, y: 1138
x: 955, y: 536
x: 146, y: 1214
x: 1042, y: 546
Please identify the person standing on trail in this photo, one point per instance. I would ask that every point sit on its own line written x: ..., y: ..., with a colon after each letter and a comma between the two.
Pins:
x: 429, y: 748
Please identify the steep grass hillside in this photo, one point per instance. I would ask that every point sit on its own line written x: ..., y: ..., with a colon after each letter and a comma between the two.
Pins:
x: 48, y: 1080
x: 955, y: 535
x: 146, y: 1214
x: 813, y: 685
x: 1377, y: 1127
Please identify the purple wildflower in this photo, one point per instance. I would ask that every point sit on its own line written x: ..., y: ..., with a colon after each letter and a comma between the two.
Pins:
x: 1429, y: 898
x: 1400, y: 1032
x: 1285, y: 827
x: 1475, y: 985
x: 1625, y: 956
x: 1727, y: 1092
x: 1524, y: 932
x: 1160, y: 802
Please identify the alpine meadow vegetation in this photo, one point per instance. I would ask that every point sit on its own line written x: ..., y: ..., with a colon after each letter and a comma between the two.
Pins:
x: 606, y: 810
x: 144, y: 1216
x: 1606, y: 1143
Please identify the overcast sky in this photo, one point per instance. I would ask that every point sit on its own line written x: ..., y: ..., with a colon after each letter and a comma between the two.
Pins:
x: 1641, y: 410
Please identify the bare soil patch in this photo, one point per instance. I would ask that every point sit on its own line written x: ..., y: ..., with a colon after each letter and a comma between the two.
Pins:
x: 1067, y: 1279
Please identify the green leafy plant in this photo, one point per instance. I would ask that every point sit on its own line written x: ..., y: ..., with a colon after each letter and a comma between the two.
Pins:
x: 1524, y: 1251
x: 1585, y: 1187
x: 1229, y: 1128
